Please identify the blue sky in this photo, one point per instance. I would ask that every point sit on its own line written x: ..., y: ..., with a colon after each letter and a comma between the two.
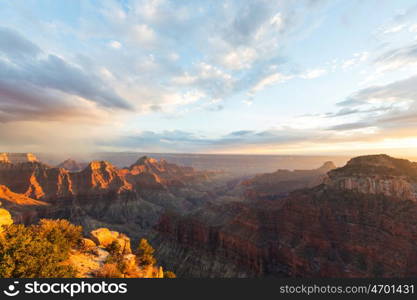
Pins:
x: 285, y: 77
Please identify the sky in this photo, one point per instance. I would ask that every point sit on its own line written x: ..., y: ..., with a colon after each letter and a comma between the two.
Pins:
x: 251, y: 77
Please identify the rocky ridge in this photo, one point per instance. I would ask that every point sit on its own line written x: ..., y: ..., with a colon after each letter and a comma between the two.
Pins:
x: 129, y: 199
x: 331, y: 230
x: 281, y: 182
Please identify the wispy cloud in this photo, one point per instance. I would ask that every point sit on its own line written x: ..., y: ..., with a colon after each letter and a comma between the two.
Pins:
x: 35, y: 84
x: 393, y: 105
x: 397, y: 58
x: 115, y: 68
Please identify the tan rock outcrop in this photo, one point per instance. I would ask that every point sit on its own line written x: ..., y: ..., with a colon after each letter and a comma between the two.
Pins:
x: 16, y: 158
x: 104, y: 237
x: 88, y: 244
x: 5, y: 218
x: 7, y: 195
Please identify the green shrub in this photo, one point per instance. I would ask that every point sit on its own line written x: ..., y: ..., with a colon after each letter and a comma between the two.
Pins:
x: 38, y: 251
x: 109, y: 270
x: 169, y: 274
x: 114, y: 248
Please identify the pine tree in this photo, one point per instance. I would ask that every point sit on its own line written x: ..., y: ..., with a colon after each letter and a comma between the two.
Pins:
x: 145, y: 253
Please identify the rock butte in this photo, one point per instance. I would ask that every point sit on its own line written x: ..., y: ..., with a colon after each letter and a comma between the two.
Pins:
x: 100, y: 192
x: 16, y: 158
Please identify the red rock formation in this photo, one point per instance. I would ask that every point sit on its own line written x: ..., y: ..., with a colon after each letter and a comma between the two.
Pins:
x: 23, y: 208
x: 19, y: 199
x: 16, y: 158
x: 36, y: 180
x: 99, y: 177
x: 39, y: 181
x: 71, y: 165
x: 151, y: 173
x: 326, y: 231
x: 281, y: 182
x: 102, y: 193
x: 377, y: 174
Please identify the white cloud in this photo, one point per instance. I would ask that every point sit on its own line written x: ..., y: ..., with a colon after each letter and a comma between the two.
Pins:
x: 179, y: 99
x: 174, y: 54
x: 394, y: 29
x: 241, y: 58
x: 115, y: 44
x: 106, y: 74
x: 203, y: 72
x: 413, y: 28
x: 248, y: 102
x: 357, y: 58
x: 277, y: 21
x: 144, y: 34
x: 271, y: 80
x: 315, y: 73
x: 394, y: 59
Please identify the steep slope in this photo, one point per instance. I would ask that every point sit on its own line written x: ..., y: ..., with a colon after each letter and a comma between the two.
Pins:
x: 23, y: 208
x: 331, y: 230
x: 8, y: 196
x: 36, y: 180
x: 281, y: 182
x: 99, y: 177
x: 129, y: 200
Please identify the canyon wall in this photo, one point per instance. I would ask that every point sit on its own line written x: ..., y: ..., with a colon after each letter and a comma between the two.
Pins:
x: 332, y: 230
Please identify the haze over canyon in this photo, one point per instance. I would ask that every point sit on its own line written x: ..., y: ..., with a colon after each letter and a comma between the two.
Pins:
x: 235, y: 138
x: 358, y: 220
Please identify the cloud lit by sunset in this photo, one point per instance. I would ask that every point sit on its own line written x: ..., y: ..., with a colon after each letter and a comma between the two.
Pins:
x: 261, y: 77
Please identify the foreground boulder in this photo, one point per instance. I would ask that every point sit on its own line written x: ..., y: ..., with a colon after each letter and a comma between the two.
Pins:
x: 5, y: 218
x: 105, y: 237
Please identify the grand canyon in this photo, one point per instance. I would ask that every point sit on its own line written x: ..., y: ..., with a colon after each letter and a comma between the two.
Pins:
x: 329, y: 221
x: 208, y: 139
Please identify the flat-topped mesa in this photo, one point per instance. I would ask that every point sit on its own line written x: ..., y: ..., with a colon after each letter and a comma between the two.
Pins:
x: 16, y: 158
x: 377, y: 174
